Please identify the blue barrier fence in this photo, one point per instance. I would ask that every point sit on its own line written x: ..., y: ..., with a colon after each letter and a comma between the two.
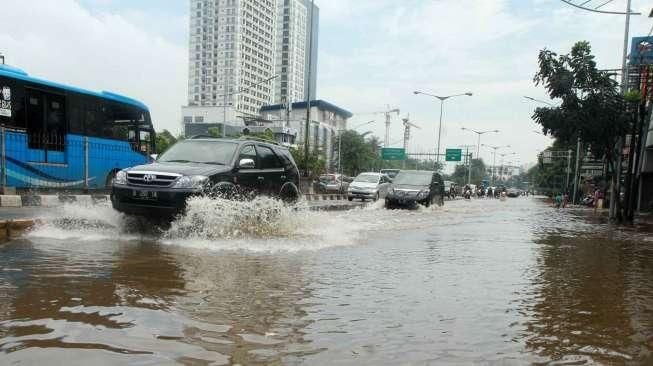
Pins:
x: 38, y: 161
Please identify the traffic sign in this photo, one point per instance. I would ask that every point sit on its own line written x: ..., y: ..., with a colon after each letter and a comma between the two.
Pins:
x: 453, y: 155
x: 393, y: 153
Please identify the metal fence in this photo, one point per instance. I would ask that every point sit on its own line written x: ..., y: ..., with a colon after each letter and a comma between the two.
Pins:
x: 55, y: 161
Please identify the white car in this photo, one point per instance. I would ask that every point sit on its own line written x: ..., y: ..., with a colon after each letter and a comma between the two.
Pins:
x: 369, y: 186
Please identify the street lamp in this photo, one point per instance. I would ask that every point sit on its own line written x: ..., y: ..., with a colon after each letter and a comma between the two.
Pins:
x: 340, y: 142
x: 362, y: 124
x: 442, y: 99
x: 478, y: 143
x: 539, y: 101
x: 494, y: 157
x: 502, y: 158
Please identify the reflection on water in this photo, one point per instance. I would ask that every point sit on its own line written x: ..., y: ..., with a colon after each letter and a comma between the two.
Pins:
x: 591, y: 299
x: 483, y: 282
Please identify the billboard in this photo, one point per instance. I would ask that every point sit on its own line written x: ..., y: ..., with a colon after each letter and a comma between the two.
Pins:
x: 641, y: 51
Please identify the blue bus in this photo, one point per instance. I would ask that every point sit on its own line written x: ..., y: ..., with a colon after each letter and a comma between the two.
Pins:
x: 58, y: 136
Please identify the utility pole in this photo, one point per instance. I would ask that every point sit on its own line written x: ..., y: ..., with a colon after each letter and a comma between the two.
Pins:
x: 615, y: 192
x: 224, y: 104
x: 469, y: 167
x: 308, y: 90
x: 576, y: 175
x: 569, y: 152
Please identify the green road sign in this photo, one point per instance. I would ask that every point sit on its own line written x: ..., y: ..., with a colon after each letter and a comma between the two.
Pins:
x: 393, y: 153
x: 453, y: 155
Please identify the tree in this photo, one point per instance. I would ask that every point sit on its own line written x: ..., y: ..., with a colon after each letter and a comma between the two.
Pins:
x: 163, y: 141
x: 357, y: 155
x: 215, y: 131
x: 316, y: 163
x: 461, y: 172
x: 592, y: 107
x: 551, y: 177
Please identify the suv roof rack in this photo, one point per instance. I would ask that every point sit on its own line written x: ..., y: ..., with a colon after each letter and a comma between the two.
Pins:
x: 259, y: 139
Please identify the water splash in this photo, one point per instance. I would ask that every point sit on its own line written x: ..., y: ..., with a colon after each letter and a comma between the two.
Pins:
x: 259, y: 225
x: 218, y: 218
x: 87, y: 222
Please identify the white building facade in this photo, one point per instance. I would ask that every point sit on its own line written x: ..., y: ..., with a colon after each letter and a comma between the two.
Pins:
x: 327, y: 120
x: 235, y: 46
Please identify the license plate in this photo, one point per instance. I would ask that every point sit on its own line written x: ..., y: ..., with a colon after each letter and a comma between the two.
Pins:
x: 144, y: 195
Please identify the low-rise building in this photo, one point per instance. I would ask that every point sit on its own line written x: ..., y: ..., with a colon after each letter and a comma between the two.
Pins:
x: 326, y: 120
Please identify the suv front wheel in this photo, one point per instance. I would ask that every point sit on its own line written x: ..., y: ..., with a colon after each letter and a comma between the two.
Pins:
x: 289, y: 193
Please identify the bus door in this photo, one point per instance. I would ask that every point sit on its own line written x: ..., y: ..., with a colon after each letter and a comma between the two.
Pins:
x: 46, y: 127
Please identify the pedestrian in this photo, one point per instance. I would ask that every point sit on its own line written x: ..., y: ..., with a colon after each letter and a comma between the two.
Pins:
x: 558, y: 200
x: 598, y: 199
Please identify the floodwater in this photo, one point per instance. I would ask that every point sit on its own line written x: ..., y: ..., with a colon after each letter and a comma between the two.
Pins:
x: 480, y: 282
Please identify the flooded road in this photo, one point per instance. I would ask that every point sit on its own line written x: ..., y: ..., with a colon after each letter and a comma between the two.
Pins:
x: 486, y: 282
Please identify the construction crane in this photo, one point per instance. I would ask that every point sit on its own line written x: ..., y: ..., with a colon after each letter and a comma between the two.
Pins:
x: 387, y: 113
x: 407, y: 126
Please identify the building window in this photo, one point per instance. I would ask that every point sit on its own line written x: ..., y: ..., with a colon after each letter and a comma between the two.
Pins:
x: 199, y: 119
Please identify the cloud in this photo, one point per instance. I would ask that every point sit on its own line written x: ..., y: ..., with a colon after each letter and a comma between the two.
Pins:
x: 378, y: 52
x: 64, y: 42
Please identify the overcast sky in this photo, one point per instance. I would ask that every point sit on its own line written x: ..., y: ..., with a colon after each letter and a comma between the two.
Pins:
x: 372, y: 53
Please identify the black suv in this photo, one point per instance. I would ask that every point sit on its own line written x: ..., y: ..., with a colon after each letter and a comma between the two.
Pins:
x: 206, y: 166
x: 411, y: 187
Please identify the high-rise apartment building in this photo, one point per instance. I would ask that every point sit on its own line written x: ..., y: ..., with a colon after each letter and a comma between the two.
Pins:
x: 235, y: 45
x: 296, y: 50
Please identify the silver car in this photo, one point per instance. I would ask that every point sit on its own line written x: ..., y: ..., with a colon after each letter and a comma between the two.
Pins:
x: 370, y: 186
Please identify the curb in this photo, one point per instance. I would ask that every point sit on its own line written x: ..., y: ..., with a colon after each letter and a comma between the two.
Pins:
x: 337, y: 207
x: 325, y: 197
x: 50, y: 200
x: 10, y: 229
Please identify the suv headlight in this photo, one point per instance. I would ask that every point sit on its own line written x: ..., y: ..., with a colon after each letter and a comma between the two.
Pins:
x: 193, y: 181
x: 423, y: 194
x: 120, y: 178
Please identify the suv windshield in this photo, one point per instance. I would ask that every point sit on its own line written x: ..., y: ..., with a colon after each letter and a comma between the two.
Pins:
x: 413, y: 178
x: 196, y: 151
x: 367, y: 178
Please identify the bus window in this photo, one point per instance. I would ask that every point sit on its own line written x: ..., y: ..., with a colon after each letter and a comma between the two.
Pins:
x: 35, y: 119
x: 55, y: 122
x: 145, y: 142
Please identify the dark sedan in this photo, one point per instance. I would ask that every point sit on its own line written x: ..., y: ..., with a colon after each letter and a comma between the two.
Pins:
x: 412, y: 187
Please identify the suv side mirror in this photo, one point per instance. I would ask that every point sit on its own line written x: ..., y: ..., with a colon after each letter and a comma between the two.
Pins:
x: 246, y: 164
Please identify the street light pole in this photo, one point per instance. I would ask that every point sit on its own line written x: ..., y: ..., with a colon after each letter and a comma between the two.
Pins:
x: 502, y: 158
x: 442, y: 99
x: 478, y: 142
x: 494, y: 157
